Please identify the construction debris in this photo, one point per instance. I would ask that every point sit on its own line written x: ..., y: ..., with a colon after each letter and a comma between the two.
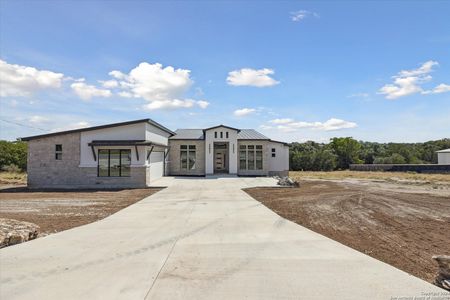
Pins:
x: 287, y: 181
x: 443, y: 276
x: 15, y: 232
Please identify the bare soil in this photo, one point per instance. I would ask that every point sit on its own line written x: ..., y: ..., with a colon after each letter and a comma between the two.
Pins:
x: 401, y: 225
x: 59, y: 210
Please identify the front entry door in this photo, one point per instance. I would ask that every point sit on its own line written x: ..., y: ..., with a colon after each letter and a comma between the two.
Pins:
x: 220, y: 161
x: 220, y: 158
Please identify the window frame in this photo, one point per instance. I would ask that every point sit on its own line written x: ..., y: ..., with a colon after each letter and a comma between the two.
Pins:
x: 191, y: 152
x: 248, y: 155
x: 58, y: 152
x: 274, y: 152
x: 121, y: 165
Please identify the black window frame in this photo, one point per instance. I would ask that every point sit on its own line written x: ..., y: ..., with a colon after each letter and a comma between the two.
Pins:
x: 109, y: 162
x: 215, y: 134
x: 226, y: 134
x: 58, y: 151
x: 274, y: 153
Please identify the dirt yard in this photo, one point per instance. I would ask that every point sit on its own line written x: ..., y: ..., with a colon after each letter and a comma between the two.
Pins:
x: 55, y: 211
x: 401, y: 224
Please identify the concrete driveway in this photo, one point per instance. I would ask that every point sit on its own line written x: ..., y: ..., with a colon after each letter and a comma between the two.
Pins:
x: 198, y: 239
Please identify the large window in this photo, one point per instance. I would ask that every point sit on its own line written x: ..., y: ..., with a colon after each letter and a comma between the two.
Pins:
x: 114, y: 163
x: 187, y: 156
x: 250, y: 157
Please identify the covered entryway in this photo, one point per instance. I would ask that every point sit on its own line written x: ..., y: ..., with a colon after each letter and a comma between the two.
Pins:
x: 221, y: 161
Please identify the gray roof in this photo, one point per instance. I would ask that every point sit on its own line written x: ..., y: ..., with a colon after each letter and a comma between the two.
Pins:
x: 188, y: 134
x: 444, y: 151
x: 197, y: 134
x: 148, y: 120
x: 251, y: 134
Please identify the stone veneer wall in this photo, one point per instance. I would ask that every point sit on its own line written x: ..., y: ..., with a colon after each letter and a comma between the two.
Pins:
x: 265, y: 169
x: 174, y: 161
x: 44, y: 171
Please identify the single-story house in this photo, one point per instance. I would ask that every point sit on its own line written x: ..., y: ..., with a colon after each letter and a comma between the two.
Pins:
x: 135, y: 153
x: 443, y: 157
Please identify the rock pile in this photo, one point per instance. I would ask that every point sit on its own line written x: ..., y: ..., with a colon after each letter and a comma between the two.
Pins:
x: 287, y: 181
x: 15, y: 232
x: 443, y: 276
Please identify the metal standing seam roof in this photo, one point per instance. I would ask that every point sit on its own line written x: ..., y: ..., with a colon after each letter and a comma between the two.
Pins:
x: 444, y: 151
x: 188, y: 134
x: 251, y: 134
x: 197, y: 134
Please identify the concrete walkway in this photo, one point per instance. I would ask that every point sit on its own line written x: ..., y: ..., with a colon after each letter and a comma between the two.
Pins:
x: 197, y: 239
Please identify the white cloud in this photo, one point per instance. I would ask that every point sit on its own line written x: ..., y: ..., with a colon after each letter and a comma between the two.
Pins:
x: 38, y: 119
x: 23, y: 81
x: 281, y: 121
x: 162, y: 87
x: 76, y: 125
x: 175, y: 104
x: 290, y: 125
x: 243, y: 112
x: 87, y: 91
x: 109, y: 84
x: 152, y: 82
x: 251, y: 77
x: 409, y: 82
x: 442, y: 88
x: 300, y: 15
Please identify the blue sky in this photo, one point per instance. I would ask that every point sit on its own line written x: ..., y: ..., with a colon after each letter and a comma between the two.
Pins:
x: 296, y: 71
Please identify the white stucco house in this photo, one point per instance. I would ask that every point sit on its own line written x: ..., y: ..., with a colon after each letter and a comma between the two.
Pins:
x: 443, y: 157
x: 135, y: 153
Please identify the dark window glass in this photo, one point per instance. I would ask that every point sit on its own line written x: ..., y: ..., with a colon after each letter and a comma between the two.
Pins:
x: 273, y: 149
x: 58, y: 152
x: 259, y: 164
x: 187, y: 157
x: 226, y: 134
x: 125, y: 162
x: 221, y: 135
x: 273, y: 155
x: 215, y: 134
x: 242, y: 159
x: 114, y: 162
x: 251, y: 160
x: 258, y: 146
x: 103, y: 162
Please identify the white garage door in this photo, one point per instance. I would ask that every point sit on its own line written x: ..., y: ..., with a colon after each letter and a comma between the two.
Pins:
x: 156, y: 165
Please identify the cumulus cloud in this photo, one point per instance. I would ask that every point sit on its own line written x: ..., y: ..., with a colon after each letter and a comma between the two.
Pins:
x: 282, y: 121
x: 442, y: 88
x: 244, y: 112
x: 86, y: 91
x: 290, y: 125
x: 23, y: 81
x: 175, y: 104
x: 109, y: 84
x: 162, y: 87
x: 300, y: 15
x: 251, y: 77
x: 409, y: 82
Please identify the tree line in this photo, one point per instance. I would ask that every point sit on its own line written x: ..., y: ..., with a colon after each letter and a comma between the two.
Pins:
x: 339, y: 153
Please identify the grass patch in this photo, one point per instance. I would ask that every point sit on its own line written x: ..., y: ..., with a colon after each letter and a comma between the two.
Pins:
x: 386, y: 176
x: 7, y: 177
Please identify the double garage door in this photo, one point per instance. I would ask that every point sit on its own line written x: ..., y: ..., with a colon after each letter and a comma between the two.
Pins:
x: 156, y: 161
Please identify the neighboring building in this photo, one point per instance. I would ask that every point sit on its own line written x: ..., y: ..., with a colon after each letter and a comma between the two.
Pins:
x: 132, y: 154
x: 443, y: 157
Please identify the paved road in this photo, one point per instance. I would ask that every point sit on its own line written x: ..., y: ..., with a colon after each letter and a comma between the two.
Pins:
x: 197, y: 239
